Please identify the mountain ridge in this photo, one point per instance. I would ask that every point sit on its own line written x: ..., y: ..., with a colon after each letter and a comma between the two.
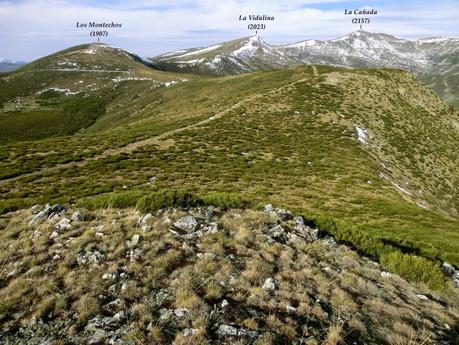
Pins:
x: 432, y: 60
x: 68, y: 91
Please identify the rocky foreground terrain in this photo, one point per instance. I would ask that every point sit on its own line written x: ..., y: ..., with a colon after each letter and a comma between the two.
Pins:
x: 202, y: 276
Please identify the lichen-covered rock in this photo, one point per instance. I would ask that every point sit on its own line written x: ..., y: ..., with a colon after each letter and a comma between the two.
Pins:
x: 165, y: 314
x: 186, y: 224
x: 98, y: 337
x: 227, y: 330
x: 456, y: 283
x: 145, y: 222
x: 35, y: 209
x: 63, y: 224
x: 306, y: 232
x: 94, y: 257
x: 279, y: 212
x: 385, y: 274
x: 77, y: 216
x: 211, y: 227
x: 41, y: 215
x: 448, y: 269
x: 56, y: 210
x: 189, y: 331
x: 134, y: 241
x: 330, y: 241
x: 276, y: 232
x: 181, y: 312
x: 269, y: 285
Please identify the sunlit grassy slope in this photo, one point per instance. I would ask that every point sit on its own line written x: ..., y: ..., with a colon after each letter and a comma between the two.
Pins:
x: 288, y: 137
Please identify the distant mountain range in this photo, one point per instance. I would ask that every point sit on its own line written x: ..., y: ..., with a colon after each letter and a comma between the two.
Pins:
x: 7, y: 65
x: 435, y: 61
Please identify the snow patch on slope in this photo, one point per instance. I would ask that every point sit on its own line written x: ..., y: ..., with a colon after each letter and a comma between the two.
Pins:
x: 396, y: 185
x: 200, y: 51
x: 56, y: 89
x: 361, y: 134
x: 304, y: 44
x: 120, y: 79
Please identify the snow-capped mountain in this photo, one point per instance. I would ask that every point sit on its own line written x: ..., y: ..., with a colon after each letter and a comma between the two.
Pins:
x: 361, y: 49
x: 7, y: 65
x: 233, y: 57
x: 433, y: 60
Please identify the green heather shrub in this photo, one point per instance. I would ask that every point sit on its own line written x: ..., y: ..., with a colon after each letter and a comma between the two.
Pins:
x: 411, y: 267
x: 414, y: 268
x: 117, y: 200
x: 154, y: 201
x: 162, y: 199
x: 225, y: 200
x: 359, y: 239
x: 11, y: 205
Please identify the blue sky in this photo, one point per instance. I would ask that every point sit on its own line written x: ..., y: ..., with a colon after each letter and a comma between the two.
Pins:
x: 33, y: 28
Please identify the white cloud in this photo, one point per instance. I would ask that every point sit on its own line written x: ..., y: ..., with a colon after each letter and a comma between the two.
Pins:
x: 34, y: 28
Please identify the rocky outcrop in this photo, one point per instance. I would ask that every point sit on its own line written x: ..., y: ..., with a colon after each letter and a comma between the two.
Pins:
x: 202, y: 275
x: 47, y: 211
x: 452, y: 273
x: 186, y: 225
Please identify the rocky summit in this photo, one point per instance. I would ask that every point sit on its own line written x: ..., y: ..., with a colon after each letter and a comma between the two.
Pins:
x: 202, y: 275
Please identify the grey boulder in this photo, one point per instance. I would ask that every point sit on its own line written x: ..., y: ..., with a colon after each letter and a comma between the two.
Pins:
x: 186, y: 224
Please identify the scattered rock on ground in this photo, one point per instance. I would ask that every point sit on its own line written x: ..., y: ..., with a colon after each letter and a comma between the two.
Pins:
x: 35, y: 209
x: 276, y: 232
x: 227, y: 330
x: 329, y: 241
x: 448, y: 269
x: 180, y: 312
x: 77, y: 216
x: 98, y: 337
x: 385, y: 274
x: 165, y: 314
x: 269, y: 285
x: 94, y: 257
x: 63, y: 224
x: 134, y: 241
x: 281, y: 213
x: 186, y: 224
x: 224, y: 304
x: 175, y: 296
x: 56, y: 210
x: 189, y: 331
x: 145, y: 222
